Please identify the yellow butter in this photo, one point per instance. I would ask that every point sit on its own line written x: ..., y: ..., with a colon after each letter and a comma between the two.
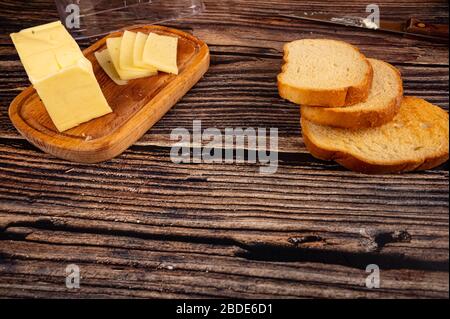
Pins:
x: 61, y: 75
x: 104, y: 59
x: 114, y: 45
x: 161, y: 52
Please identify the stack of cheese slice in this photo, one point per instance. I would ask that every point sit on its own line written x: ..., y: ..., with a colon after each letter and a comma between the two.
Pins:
x: 61, y: 75
x: 138, y: 55
x: 353, y: 110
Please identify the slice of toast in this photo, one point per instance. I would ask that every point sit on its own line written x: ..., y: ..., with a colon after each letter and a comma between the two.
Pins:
x: 325, y: 73
x: 417, y: 139
x: 380, y: 108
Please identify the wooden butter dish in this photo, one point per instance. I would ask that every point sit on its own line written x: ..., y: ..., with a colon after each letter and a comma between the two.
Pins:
x: 136, y: 106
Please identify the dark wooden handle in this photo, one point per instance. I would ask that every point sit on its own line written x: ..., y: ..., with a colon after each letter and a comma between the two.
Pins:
x: 419, y: 27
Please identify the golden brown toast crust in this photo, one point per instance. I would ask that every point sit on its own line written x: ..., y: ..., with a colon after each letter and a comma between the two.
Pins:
x: 345, y: 96
x: 359, y: 165
x: 347, y: 118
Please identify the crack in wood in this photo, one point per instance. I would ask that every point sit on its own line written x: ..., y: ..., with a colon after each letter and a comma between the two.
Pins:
x: 296, y: 241
x: 261, y: 251
x: 375, y: 239
x: 361, y: 260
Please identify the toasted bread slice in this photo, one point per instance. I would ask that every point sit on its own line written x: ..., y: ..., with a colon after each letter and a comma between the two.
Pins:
x: 417, y: 139
x: 325, y: 73
x: 381, y: 107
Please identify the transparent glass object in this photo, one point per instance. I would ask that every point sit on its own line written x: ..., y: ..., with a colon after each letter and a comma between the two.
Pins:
x: 92, y: 18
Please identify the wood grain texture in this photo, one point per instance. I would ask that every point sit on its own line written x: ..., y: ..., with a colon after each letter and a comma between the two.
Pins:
x: 141, y: 226
x: 136, y: 106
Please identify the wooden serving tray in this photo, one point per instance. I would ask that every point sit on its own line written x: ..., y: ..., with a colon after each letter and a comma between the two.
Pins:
x: 136, y: 106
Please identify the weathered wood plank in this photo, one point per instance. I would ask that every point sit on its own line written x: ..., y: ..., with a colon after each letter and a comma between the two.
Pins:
x: 141, y: 226
x: 154, y: 269
x: 248, y: 101
x: 230, y: 202
x: 246, y: 61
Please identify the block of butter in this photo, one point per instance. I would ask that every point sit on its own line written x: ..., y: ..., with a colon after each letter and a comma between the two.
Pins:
x: 61, y: 75
x: 161, y: 51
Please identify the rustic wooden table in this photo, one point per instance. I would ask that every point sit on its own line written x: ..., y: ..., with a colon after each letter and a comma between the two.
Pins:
x: 141, y: 226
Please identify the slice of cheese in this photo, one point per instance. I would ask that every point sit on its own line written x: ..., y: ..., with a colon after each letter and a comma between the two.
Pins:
x: 104, y: 59
x: 114, y: 45
x: 46, y: 49
x: 126, y: 51
x: 61, y: 75
x: 139, y: 45
x: 73, y: 96
x: 127, y: 54
x: 42, y: 38
x: 67, y: 56
x: 161, y: 52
